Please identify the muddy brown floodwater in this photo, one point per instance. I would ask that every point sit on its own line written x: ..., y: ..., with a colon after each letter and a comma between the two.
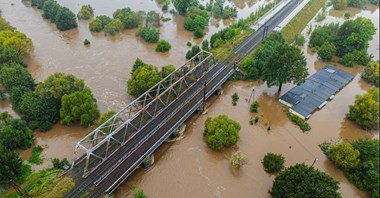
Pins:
x: 187, y: 168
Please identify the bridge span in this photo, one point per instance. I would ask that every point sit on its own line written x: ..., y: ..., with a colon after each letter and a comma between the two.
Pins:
x: 108, y: 155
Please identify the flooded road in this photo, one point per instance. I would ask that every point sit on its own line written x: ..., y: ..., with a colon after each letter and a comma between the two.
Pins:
x: 187, y: 168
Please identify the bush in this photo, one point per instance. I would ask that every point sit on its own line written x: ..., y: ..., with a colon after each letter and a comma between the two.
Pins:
x: 344, y: 155
x: 327, y: 51
x: 198, y: 33
x: 348, y: 60
x: 99, y: 23
x: 237, y: 160
x: 340, y: 4
x: 188, y: 44
x: 86, y: 12
x: 163, y: 46
x: 65, y: 19
x: 113, y: 27
x: 273, y: 163
x: 299, y: 40
x: 86, y: 42
x: 129, y: 18
x: 35, y: 158
x: 196, y: 20
x: 304, y: 126
x: 235, y: 98
x: 365, y: 111
x: 254, y: 107
x: 301, y: 180
x: 150, y: 34
x: 59, y: 164
x: 221, y: 132
x: 193, y: 51
x: 139, y: 194
x: 371, y: 73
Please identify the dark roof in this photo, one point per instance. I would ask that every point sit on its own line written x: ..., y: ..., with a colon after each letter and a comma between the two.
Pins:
x: 316, y: 90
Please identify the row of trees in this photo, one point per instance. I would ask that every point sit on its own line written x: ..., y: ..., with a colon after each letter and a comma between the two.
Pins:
x: 343, y: 4
x: 348, y: 41
x: 145, y: 76
x: 63, y: 17
x: 359, y: 161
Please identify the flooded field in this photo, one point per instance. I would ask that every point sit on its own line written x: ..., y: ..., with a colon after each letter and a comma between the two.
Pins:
x: 187, y: 168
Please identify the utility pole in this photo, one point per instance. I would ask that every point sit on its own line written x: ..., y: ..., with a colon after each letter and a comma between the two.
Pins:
x: 252, y: 96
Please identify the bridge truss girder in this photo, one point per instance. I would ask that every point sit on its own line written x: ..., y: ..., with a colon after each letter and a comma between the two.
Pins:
x: 99, y: 144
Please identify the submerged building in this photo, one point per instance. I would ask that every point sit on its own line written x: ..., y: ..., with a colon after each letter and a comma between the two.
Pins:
x: 314, y: 93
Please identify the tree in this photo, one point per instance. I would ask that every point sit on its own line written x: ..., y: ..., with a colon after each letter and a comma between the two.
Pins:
x: 182, y: 5
x: 273, y: 163
x: 369, y: 150
x: 194, y: 51
x: 299, y: 40
x: 237, y: 160
x: 65, y: 19
x: 50, y: 10
x: 16, y: 96
x: 205, y: 45
x: 344, y: 155
x: 196, y: 19
x: 327, y: 51
x: 79, y: 106
x: 104, y: 118
x: 16, y: 134
x: 150, y: 34
x: 86, y: 12
x: 357, y: 3
x: 163, y: 46
x: 114, y: 27
x: 371, y: 73
x: 374, y: 2
x: 143, y: 79
x: 10, y: 55
x: 221, y: 132
x: 10, y: 165
x: 348, y: 60
x: 304, y: 181
x: 4, y: 25
x: 139, y: 194
x: 129, y: 18
x: 57, y: 85
x: 287, y: 64
x: 99, y: 23
x: 167, y: 70
x: 365, y: 111
x: 39, y: 113
x: 322, y: 34
x: 15, y: 75
x: 138, y: 63
x: 17, y: 41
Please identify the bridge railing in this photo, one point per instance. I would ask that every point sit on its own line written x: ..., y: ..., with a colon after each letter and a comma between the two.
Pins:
x: 101, y: 142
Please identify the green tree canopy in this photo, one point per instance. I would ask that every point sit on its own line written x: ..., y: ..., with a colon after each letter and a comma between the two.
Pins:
x: 166, y: 70
x: 149, y: 34
x: 15, y: 133
x: 163, y: 46
x: 65, y: 19
x: 139, y: 194
x: 4, y: 25
x: 143, y: 79
x: 79, y: 106
x: 86, y: 12
x: 327, y: 51
x: 301, y: 180
x: 16, y: 96
x: 273, y: 162
x: 285, y: 64
x: 365, y: 111
x: 10, y: 55
x: 340, y: 4
x: 14, y: 75
x: 138, y: 63
x: 17, y: 41
x: 182, y: 5
x: 39, y: 113
x: 371, y: 73
x: 322, y: 34
x: 369, y: 150
x: 99, y: 23
x: 196, y: 19
x: 114, y: 27
x: 10, y: 165
x: 57, y: 85
x: 221, y: 132
x: 344, y: 155
x: 50, y: 10
x: 129, y: 18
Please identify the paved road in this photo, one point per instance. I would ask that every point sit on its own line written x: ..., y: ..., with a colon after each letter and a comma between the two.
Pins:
x: 123, y: 162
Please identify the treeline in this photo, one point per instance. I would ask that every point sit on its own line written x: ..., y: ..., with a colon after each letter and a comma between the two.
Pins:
x: 348, y: 41
x: 63, y: 17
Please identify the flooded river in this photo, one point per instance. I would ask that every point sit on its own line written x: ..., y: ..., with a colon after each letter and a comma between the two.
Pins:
x: 187, y: 168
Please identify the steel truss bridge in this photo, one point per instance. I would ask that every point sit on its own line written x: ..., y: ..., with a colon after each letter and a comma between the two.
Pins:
x: 108, y: 155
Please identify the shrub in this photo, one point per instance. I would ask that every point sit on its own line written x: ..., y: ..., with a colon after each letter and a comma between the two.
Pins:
x: 129, y: 18
x: 59, y: 164
x: 188, y: 44
x: 221, y: 132
x: 273, y: 163
x: 99, y: 23
x: 254, y: 107
x: 235, y: 98
x: 139, y: 194
x: 198, y: 33
x: 86, y: 12
x: 327, y: 51
x: 65, y: 19
x: 371, y: 73
x: 86, y: 42
x: 348, y: 60
x: 193, y: 51
x: 35, y: 158
x: 299, y: 40
x: 113, y: 27
x: 237, y: 160
x: 304, y: 126
x: 163, y: 46
x: 344, y: 155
